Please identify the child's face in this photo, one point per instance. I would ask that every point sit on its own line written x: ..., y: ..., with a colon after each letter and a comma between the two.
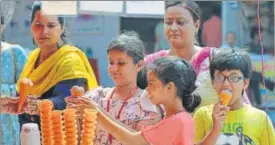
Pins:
x: 121, y: 68
x: 156, y: 90
x: 232, y: 80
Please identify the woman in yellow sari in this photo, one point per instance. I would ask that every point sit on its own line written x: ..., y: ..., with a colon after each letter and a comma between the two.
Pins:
x: 54, y: 67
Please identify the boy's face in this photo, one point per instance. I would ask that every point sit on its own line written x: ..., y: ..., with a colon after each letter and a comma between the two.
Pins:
x: 231, y: 80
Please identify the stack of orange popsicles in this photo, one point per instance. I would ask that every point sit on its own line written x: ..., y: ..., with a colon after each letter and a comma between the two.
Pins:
x: 45, y: 107
x: 71, y: 136
x: 24, y: 86
x: 88, y: 127
x: 57, y: 123
x: 225, y: 97
x: 78, y: 91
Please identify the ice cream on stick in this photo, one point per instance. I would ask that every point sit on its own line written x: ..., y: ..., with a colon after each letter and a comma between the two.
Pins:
x: 24, y: 87
x: 225, y: 97
x: 77, y: 91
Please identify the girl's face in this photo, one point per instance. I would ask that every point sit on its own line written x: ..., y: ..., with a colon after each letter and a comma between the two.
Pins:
x: 121, y: 67
x: 157, y: 92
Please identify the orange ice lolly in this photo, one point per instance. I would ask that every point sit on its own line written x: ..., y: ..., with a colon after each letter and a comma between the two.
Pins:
x: 77, y: 91
x: 24, y: 86
x: 225, y: 97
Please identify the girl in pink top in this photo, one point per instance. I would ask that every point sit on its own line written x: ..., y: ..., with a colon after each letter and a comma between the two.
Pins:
x: 171, y: 82
x: 181, y: 24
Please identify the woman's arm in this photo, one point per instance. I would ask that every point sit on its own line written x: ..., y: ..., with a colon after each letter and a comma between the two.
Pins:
x: 56, y: 94
x: 9, y: 105
x: 61, y: 91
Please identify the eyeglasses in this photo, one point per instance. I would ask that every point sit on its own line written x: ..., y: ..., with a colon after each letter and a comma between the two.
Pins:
x: 231, y: 79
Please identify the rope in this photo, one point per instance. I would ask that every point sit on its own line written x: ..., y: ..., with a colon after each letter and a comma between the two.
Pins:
x: 263, y: 68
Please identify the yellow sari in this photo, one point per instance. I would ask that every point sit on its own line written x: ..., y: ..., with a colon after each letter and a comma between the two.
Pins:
x: 66, y: 63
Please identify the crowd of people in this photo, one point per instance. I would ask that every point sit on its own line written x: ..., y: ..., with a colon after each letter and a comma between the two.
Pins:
x: 170, y: 97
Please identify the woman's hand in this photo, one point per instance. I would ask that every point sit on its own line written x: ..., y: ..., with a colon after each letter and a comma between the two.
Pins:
x: 33, y: 106
x: 219, y: 115
x: 10, y: 105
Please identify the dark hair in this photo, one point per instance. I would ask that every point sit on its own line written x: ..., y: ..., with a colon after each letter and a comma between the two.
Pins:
x: 130, y: 42
x: 182, y: 74
x: 37, y: 7
x: 192, y: 7
x: 230, y: 59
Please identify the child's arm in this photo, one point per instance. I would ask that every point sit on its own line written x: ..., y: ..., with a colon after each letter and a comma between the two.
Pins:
x: 95, y: 96
x: 119, y: 132
x: 127, y: 136
x: 211, y: 137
